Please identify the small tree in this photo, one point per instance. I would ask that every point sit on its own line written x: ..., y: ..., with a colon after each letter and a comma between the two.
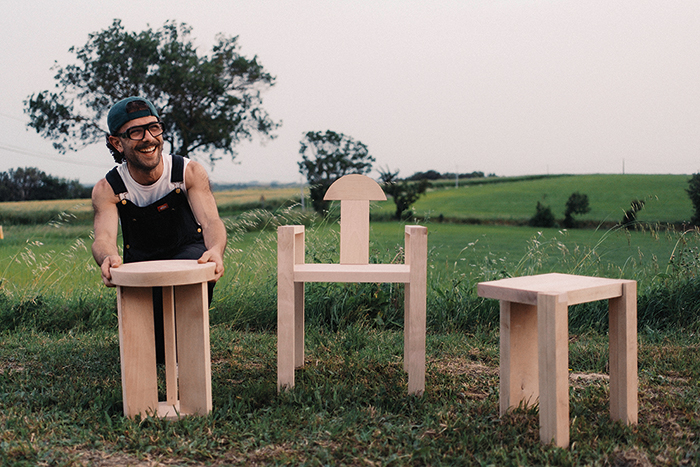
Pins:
x: 694, y: 195
x: 325, y: 157
x: 543, y: 216
x: 576, y: 204
x: 404, y: 193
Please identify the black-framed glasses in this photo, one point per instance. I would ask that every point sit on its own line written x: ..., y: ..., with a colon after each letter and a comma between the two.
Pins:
x: 137, y: 133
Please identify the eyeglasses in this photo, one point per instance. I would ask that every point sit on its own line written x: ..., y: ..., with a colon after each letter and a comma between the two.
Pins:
x: 137, y: 133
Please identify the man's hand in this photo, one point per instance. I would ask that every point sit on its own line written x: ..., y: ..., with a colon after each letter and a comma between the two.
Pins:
x: 113, y: 261
x: 213, y: 256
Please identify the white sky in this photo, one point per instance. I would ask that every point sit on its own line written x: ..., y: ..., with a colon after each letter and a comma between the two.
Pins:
x: 504, y: 87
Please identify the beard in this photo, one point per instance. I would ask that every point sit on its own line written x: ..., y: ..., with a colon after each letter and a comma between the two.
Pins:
x: 144, y: 162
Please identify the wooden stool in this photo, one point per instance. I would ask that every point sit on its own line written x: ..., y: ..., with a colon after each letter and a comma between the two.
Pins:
x: 187, y: 358
x: 534, y: 344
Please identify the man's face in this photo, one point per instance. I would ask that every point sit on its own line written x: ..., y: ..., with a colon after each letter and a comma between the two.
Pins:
x: 144, y: 155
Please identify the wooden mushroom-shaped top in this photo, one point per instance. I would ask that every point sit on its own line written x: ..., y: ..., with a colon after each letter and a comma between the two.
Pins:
x: 355, y: 187
x: 354, y: 191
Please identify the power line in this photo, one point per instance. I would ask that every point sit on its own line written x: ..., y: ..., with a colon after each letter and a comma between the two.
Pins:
x: 12, y: 118
x: 27, y: 152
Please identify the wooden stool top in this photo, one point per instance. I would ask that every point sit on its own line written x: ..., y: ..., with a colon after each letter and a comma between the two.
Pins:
x: 579, y: 289
x: 162, y: 273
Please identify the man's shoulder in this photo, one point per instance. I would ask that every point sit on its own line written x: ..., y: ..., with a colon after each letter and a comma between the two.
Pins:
x: 103, y: 192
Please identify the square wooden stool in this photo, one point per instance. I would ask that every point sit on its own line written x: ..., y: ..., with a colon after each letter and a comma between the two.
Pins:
x: 534, y: 344
x: 187, y: 357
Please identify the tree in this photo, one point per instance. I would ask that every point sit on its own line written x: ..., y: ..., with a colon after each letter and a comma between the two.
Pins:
x: 325, y: 157
x: 206, y: 103
x: 693, y: 191
x: 403, y: 192
x: 543, y: 216
x: 576, y: 204
x: 30, y: 183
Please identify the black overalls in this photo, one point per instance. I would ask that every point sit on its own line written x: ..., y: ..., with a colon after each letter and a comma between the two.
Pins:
x: 165, y: 229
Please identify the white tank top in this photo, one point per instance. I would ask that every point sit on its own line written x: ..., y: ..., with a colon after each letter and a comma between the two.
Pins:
x: 143, y: 195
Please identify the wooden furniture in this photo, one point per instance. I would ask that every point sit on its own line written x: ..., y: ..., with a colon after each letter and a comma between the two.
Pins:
x: 354, y: 192
x: 534, y: 345
x: 187, y: 357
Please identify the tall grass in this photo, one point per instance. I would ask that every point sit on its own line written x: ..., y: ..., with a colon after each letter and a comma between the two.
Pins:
x: 56, y: 285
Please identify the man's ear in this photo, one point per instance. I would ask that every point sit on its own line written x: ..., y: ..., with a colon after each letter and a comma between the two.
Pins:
x: 116, y: 142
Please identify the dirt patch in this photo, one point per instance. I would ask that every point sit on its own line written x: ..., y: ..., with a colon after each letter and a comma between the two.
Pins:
x: 104, y: 459
x: 463, y: 366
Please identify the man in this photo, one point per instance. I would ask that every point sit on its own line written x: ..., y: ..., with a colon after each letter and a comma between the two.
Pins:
x: 164, y: 202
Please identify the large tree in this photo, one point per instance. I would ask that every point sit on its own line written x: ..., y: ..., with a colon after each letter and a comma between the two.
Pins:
x: 208, y: 102
x: 325, y: 157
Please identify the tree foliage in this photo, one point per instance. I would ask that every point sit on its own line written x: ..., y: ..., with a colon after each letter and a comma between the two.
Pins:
x: 30, y: 183
x: 543, y: 216
x: 693, y: 191
x: 208, y: 102
x: 403, y: 192
x: 576, y: 204
x: 325, y: 157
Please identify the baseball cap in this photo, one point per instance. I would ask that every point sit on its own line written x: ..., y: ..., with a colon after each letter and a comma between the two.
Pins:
x: 128, y: 109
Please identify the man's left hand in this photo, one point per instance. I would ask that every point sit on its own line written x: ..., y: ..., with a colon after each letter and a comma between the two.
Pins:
x: 212, y: 256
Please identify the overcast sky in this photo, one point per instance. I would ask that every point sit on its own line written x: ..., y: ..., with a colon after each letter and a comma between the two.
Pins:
x: 504, y: 87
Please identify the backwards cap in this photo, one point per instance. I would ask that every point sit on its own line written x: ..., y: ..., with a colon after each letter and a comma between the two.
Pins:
x: 128, y: 109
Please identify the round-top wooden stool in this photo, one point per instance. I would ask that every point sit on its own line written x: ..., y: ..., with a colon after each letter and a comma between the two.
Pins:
x: 187, y: 358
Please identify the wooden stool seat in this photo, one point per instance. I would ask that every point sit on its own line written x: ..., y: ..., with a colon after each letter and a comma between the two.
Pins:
x: 187, y: 357
x: 534, y: 344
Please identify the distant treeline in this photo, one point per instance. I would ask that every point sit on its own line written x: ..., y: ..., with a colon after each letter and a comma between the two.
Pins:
x: 435, y: 175
x: 30, y: 183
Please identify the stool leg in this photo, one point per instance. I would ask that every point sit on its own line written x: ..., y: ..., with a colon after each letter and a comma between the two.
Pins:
x: 416, y: 241
x: 298, y: 324
x: 623, y: 355
x: 414, y: 337
x: 519, y: 379
x: 170, y: 346
x: 194, y: 351
x: 553, y: 337
x: 137, y: 350
x: 288, y: 308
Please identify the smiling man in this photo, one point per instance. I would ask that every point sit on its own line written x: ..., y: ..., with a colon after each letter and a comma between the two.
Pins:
x: 164, y: 202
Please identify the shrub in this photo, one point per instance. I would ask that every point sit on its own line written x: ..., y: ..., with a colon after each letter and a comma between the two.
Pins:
x: 543, y: 216
x: 694, y: 195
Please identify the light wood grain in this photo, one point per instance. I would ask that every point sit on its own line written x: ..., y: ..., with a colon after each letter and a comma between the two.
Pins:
x: 186, y: 336
x: 162, y: 273
x: 354, y: 193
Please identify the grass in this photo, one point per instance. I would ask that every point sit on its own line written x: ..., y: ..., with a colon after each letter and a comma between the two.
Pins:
x: 61, y: 405
x: 60, y: 389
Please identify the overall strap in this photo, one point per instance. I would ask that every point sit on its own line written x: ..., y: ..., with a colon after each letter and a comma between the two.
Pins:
x: 177, y: 173
x: 116, y: 182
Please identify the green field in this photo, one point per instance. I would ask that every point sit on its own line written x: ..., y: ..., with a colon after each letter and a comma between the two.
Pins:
x: 609, y: 196
x: 60, y: 390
